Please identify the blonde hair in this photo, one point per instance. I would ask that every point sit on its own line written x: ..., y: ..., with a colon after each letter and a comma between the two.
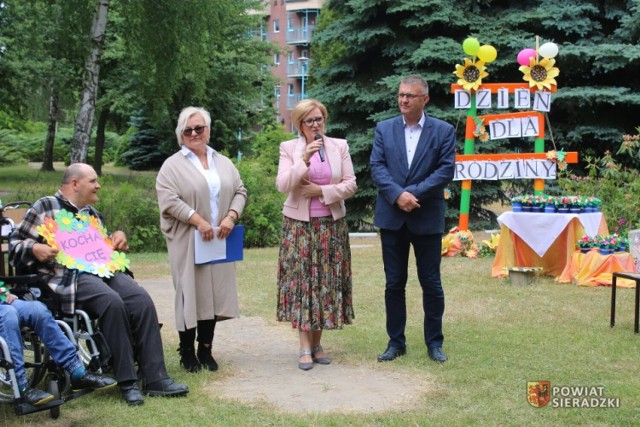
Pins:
x: 303, y: 108
x: 184, y: 117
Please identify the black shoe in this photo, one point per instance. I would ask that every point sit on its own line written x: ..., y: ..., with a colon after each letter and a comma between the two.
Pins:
x: 188, y: 359
x: 36, y: 397
x: 206, y: 359
x: 436, y: 354
x: 91, y: 380
x: 391, y: 353
x: 166, y: 387
x: 131, y: 393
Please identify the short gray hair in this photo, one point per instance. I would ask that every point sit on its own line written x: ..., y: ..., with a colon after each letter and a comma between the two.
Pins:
x: 415, y: 79
x: 184, y: 117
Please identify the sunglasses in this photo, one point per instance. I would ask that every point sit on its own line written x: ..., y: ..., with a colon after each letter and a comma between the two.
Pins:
x: 198, y: 129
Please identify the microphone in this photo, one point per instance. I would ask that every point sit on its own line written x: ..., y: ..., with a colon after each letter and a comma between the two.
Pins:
x: 321, y: 150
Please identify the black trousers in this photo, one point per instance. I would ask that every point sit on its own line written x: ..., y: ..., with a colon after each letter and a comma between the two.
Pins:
x: 395, y: 256
x: 127, y: 318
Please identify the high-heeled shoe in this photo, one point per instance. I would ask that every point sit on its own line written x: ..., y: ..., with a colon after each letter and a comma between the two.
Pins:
x: 305, y: 366
x: 319, y: 360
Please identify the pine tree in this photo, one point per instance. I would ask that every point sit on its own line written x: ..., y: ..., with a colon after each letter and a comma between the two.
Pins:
x: 143, y: 149
x: 362, y: 48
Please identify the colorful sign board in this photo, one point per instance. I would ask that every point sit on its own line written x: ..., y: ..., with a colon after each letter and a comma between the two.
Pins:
x: 83, y: 243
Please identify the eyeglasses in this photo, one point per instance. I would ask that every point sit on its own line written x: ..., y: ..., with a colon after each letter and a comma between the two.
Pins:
x: 409, y: 96
x: 198, y: 129
x: 318, y: 120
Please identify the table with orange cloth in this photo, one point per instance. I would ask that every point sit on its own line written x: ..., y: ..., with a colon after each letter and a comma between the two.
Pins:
x: 594, y: 269
x: 544, y: 240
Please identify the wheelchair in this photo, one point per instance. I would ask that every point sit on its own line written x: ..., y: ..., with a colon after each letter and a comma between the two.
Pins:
x: 92, y: 347
x: 79, y: 329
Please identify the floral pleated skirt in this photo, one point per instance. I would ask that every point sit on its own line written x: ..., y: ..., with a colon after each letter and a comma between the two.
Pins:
x: 314, y: 274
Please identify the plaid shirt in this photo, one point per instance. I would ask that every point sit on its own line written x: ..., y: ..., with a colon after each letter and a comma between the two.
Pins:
x: 61, y: 280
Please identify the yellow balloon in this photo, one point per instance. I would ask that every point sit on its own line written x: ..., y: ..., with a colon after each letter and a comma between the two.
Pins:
x: 487, y: 53
x: 470, y: 46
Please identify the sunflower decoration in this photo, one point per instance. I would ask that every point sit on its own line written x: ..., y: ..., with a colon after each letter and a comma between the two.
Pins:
x: 480, y: 131
x: 558, y: 158
x: 447, y: 193
x: 470, y: 74
x: 540, y: 73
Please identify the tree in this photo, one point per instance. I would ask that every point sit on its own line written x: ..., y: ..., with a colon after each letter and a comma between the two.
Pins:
x: 206, y: 59
x: 142, y: 152
x: 84, y: 120
x: 364, y: 47
x: 43, y: 59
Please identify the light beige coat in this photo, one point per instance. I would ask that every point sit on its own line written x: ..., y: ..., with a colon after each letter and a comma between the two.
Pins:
x: 205, y: 291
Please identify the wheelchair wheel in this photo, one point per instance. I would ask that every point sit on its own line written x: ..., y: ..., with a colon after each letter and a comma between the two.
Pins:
x: 7, y: 393
x: 52, y: 386
x: 35, y: 358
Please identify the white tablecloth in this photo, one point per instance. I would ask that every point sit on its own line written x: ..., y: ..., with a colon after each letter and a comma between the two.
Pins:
x: 540, y: 230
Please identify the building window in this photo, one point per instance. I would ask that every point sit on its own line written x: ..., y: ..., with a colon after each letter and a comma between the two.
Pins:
x: 276, y: 59
x: 291, y: 59
x: 276, y: 25
x: 276, y: 92
x: 290, y: 89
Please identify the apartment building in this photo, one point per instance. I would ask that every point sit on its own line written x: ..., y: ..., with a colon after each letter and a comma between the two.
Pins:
x: 289, y: 24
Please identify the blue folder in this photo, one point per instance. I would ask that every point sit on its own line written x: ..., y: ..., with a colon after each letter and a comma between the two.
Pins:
x: 235, y: 246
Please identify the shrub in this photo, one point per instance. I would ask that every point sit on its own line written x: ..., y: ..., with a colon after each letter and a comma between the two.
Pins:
x: 132, y: 206
x: 616, y: 186
x: 262, y: 216
x: 17, y: 147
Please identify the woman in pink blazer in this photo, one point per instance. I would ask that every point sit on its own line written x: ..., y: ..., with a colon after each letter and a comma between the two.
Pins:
x: 314, y: 266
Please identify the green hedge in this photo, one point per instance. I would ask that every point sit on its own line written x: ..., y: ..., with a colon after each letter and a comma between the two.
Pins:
x: 21, y: 147
x: 129, y: 203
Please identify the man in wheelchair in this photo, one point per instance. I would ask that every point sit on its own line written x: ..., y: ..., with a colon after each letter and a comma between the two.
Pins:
x: 15, y: 314
x: 126, y: 313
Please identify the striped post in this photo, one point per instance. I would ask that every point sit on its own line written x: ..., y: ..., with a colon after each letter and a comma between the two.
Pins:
x: 469, y: 148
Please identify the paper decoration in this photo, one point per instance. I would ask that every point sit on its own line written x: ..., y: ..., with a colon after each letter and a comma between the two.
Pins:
x: 83, y: 244
x: 470, y: 74
x: 3, y: 292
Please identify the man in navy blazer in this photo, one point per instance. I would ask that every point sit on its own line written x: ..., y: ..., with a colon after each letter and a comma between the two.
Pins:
x: 412, y: 161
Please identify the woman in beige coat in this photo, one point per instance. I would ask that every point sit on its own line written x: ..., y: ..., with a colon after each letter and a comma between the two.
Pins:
x: 199, y: 189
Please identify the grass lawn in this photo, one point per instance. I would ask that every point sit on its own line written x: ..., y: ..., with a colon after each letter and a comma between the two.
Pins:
x: 498, y: 338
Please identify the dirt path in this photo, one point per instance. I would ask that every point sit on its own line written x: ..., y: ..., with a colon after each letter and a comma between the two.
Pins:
x: 265, y: 369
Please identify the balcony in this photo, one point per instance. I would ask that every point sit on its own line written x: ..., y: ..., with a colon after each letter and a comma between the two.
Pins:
x: 297, y: 70
x: 293, y: 99
x: 259, y: 34
x: 299, y: 35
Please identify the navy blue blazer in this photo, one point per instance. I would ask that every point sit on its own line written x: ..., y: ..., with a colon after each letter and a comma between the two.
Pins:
x: 431, y: 171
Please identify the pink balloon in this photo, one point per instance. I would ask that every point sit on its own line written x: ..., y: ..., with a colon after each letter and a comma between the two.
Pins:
x: 525, y: 55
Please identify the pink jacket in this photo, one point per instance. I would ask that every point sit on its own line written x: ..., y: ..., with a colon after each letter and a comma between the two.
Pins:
x: 292, y: 169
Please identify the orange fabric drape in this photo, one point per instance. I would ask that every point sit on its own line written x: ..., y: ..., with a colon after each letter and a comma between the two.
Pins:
x: 514, y: 252
x: 593, y: 269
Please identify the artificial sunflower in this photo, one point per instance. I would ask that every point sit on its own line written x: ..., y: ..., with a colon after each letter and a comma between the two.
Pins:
x: 480, y: 131
x: 540, y: 73
x: 558, y: 158
x: 470, y: 74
